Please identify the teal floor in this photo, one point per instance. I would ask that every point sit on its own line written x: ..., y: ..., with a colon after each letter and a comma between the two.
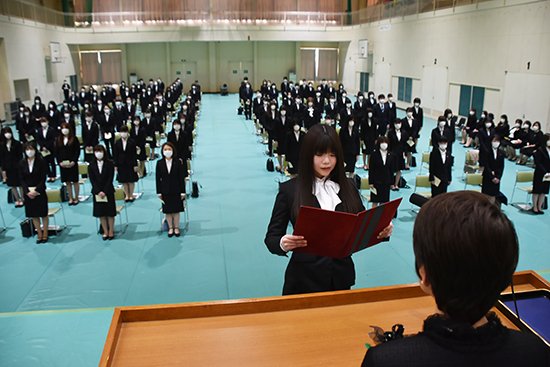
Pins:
x: 56, y: 300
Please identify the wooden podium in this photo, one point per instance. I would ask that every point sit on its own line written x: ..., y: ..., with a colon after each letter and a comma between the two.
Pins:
x: 322, y: 329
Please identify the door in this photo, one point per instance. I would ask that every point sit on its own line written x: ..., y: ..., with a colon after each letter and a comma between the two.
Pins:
x: 186, y: 71
x: 435, y: 87
x: 237, y: 71
x: 382, y: 78
x: 364, y: 82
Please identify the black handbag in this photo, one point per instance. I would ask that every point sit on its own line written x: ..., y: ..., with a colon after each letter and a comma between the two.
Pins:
x: 26, y: 228
x: 269, y: 165
x: 195, y: 189
x: 413, y: 161
x: 10, y: 197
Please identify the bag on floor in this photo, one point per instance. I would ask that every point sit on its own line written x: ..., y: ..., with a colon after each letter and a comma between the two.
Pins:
x: 413, y: 161
x: 402, y: 183
x: 10, y: 197
x: 545, y: 203
x: 239, y: 111
x: 26, y: 228
x: 64, y: 193
x: 195, y: 189
x: 269, y: 165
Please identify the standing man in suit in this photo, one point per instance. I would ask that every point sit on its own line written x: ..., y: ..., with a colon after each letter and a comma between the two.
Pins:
x: 493, y: 169
x: 418, y: 113
x: 107, y: 126
x: 90, y: 136
x: 382, y: 113
x: 441, y: 130
x: 392, y: 107
x: 45, y: 141
x: 412, y: 127
x: 349, y: 138
x: 66, y: 88
x: 440, y: 167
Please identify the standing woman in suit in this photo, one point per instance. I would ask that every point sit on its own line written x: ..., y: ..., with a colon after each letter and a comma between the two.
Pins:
x: 440, y: 167
x: 90, y: 136
x: 11, y: 153
x: 321, y: 168
x: 170, y: 178
x: 67, y: 151
x: 494, y: 168
x: 542, y: 171
x: 398, y: 146
x: 381, y: 172
x: 45, y: 140
x: 349, y: 138
x: 101, y: 173
x: 293, y: 146
x: 125, y: 159
x: 139, y: 136
x: 32, y: 173
x: 369, y: 133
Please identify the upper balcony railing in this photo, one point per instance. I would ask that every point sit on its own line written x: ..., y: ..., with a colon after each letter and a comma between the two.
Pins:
x: 371, y: 13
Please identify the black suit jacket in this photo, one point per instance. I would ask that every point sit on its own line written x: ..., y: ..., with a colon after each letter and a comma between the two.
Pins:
x: 47, y: 142
x: 380, y: 173
x: 69, y: 152
x: 36, y: 178
x: 322, y: 273
x: 102, y: 181
x: 440, y: 169
x: 126, y: 157
x: 182, y: 145
x: 90, y: 137
x: 172, y: 183
x: 350, y: 143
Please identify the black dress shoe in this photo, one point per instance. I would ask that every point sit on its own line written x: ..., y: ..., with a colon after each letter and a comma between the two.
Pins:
x: 132, y: 200
x: 38, y: 241
x: 111, y: 238
x: 105, y: 238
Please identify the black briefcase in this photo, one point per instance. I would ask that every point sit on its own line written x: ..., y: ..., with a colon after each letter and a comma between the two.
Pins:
x: 269, y: 165
x: 10, y: 196
x: 26, y: 228
x: 195, y: 189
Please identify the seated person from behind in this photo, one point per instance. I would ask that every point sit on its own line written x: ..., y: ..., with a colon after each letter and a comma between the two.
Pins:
x: 465, y: 268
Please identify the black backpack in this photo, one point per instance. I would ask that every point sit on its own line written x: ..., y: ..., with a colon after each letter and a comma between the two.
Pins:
x: 269, y: 165
x: 195, y: 189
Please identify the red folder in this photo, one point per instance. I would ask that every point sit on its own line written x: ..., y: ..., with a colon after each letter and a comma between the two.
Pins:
x: 337, y: 234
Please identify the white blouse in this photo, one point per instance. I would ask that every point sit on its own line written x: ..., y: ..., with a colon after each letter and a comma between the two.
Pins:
x: 326, y: 191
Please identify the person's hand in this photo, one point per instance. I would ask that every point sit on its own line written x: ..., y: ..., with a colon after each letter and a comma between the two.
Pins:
x: 182, y: 196
x: 496, y: 181
x: 159, y: 196
x: 135, y: 169
x: 386, y: 232
x: 290, y: 242
x: 32, y: 194
x: 71, y: 164
x: 102, y: 194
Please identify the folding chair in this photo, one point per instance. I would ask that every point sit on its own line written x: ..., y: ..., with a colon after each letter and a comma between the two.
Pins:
x: 54, y: 196
x: 523, y: 177
x: 473, y: 179
x: 120, y: 196
x: 425, y: 160
x: 83, y: 170
x: 189, y: 177
x: 3, y: 228
x: 185, y: 216
x: 422, y: 181
x: 364, y: 190
x: 471, y: 161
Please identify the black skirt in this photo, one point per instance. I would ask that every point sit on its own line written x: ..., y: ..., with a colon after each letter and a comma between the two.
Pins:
x: 490, y: 188
x: 172, y: 204
x: 382, y: 193
x: 37, y: 207
x: 126, y: 174
x: 69, y: 174
x: 103, y: 209
x: 539, y: 186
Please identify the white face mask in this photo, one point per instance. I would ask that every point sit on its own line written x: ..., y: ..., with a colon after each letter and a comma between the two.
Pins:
x: 44, y: 124
x: 502, y: 120
x: 416, y: 104
x: 441, y: 124
x: 124, y: 135
x: 443, y: 147
x: 30, y: 153
x: 296, y: 127
x: 488, y: 125
x: 177, y: 127
x: 525, y: 126
x: 107, y: 112
x: 370, y: 114
x: 384, y: 147
x: 167, y: 153
x: 273, y: 108
x: 390, y: 99
x: 65, y: 131
x: 118, y: 104
x: 89, y: 119
x: 361, y: 98
x: 382, y: 101
x: 98, y: 155
x: 496, y: 144
x: 332, y: 101
x: 147, y: 115
x: 67, y: 116
x: 482, y: 115
x: 409, y: 115
x: 7, y: 136
x: 351, y: 123
x: 397, y: 126
x: 535, y: 128
x: 129, y: 101
x: 283, y: 113
x: 27, y: 113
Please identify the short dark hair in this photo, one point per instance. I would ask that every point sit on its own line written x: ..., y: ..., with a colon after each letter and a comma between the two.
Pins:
x: 469, y: 250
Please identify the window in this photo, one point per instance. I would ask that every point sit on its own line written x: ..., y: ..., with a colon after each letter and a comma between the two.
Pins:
x: 404, y: 89
x: 319, y: 63
x: 98, y: 67
x: 471, y: 97
x: 364, y: 82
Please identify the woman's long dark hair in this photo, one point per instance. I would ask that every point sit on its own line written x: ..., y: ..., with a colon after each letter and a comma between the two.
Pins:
x: 321, y: 139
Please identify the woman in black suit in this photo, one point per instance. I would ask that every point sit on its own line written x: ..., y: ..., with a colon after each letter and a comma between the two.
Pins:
x: 170, y: 180
x: 494, y: 168
x: 369, y: 133
x: 45, y: 140
x: 485, y: 136
x: 101, y: 172
x: 440, y: 167
x: 90, y: 136
x: 471, y: 128
x: 52, y: 115
x: 464, y: 268
x: 381, y: 172
x: 321, y: 167
x: 11, y: 153
x: 398, y: 146
x: 67, y: 151
x: 126, y: 163
x: 536, y: 140
x: 32, y: 173
x: 293, y: 146
x: 139, y: 135
x: 541, y: 177
x: 412, y: 127
x: 179, y: 139
x: 349, y: 138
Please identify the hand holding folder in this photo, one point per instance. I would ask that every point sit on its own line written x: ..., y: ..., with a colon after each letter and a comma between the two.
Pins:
x: 338, y: 234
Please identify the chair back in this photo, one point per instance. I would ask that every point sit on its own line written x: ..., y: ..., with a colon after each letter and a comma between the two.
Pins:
x: 119, y: 194
x: 54, y: 196
x: 426, y: 157
x: 82, y: 168
x: 524, y: 176
x: 365, y: 183
x: 474, y: 179
x: 423, y: 181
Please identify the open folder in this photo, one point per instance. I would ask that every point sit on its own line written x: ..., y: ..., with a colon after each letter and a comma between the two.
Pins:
x: 338, y: 234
